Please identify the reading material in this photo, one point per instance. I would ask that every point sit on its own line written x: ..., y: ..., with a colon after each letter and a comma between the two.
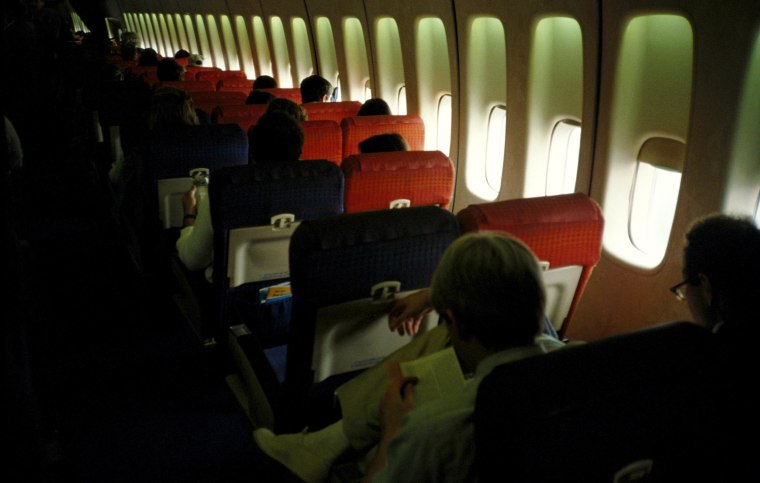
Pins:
x: 438, y: 373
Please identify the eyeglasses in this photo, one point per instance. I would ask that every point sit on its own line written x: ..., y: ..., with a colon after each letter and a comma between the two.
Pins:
x: 679, y: 291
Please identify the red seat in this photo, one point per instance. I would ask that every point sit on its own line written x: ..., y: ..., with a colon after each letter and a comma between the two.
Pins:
x: 331, y: 111
x: 322, y: 140
x: 564, y: 230
x: 377, y: 181
x: 358, y: 128
x: 244, y: 115
x: 240, y: 85
x: 209, y: 100
x: 292, y: 93
x: 215, y: 75
x: 191, y: 86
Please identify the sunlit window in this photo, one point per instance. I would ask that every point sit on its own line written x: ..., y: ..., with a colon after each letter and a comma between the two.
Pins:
x: 655, y: 194
x: 443, y: 133
x: 182, y: 36
x: 167, y: 45
x: 216, y: 43
x: 495, y: 142
x: 203, y: 39
x: 173, y: 34
x: 653, y: 205
x: 191, y: 37
x: 246, y: 56
x: 356, y: 78
x: 401, y: 110
x: 261, y: 44
x: 562, y: 168
x: 367, y: 90
x: 230, y: 48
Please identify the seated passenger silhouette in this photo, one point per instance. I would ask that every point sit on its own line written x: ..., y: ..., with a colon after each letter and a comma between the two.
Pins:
x: 296, y: 111
x: 315, y: 88
x: 169, y: 70
x: 264, y: 82
x: 259, y: 97
x: 382, y: 143
x: 374, y: 107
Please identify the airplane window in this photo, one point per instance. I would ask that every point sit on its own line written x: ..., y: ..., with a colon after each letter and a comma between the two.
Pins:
x: 167, y: 44
x: 433, y: 77
x: 145, y: 40
x: 443, y: 133
x: 216, y: 43
x: 229, y: 43
x: 357, y: 77
x: 652, y: 94
x: 302, y: 49
x: 159, y: 41
x: 280, y: 49
x: 653, y: 206
x: 203, y: 38
x: 262, y: 46
x: 401, y: 101
x: 390, y: 66
x: 245, y: 47
x: 175, y: 46
x: 183, y: 42
x: 326, y: 55
x: 191, y: 37
x: 495, y: 142
x: 562, y: 168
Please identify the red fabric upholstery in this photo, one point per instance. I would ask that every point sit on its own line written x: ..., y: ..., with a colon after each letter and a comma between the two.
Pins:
x: 322, y: 140
x: 563, y: 230
x: 331, y: 111
x: 292, y: 93
x: 244, y: 115
x: 191, y: 86
x: 209, y: 100
x: 358, y: 128
x: 373, y: 180
x: 240, y: 85
x: 215, y: 75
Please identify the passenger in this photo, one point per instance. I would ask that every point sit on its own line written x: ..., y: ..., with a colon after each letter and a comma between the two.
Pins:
x: 277, y: 137
x: 182, y: 56
x: 264, y: 82
x: 259, y: 97
x: 289, y: 107
x: 128, y: 51
x: 148, y: 57
x: 315, y: 88
x: 382, y: 143
x: 490, y: 289
x: 169, y: 70
x: 721, y: 262
x: 374, y: 107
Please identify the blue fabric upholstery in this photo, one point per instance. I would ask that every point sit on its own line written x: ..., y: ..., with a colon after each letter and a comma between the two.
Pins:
x: 248, y: 196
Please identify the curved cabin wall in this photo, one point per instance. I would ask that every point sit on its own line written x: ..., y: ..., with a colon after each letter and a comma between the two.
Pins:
x: 622, y: 294
x: 532, y: 73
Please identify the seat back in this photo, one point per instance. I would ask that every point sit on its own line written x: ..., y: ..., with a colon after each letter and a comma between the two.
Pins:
x: 377, y: 181
x: 215, y: 75
x: 244, y: 115
x: 191, y: 86
x: 331, y: 111
x: 292, y: 93
x: 345, y: 272
x: 563, y: 230
x: 254, y: 210
x: 210, y: 100
x: 234, y: 84
x: 322, y: 140
x: 641, y: 406
x: 174, y: 152
x: 358, y: 128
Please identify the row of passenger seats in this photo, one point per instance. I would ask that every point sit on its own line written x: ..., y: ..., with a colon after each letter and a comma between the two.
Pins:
x: 347, y: 270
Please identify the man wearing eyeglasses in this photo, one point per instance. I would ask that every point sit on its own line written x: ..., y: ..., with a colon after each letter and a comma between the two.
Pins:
x: 721, y: 263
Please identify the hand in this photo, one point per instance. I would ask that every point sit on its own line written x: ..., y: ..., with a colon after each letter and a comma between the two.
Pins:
x: 406, y: 314
x: 190, y: 201
x: 397, y: 401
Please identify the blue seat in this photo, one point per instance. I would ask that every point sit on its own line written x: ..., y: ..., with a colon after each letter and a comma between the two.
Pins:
x: 255, y: 210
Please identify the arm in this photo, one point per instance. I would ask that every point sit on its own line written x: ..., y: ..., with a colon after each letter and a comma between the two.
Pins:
x: 395, y: 404
x: 195, y: 243
x: 406, y: 314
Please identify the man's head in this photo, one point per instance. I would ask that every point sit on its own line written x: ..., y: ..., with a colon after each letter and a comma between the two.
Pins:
x: 492, y: 287
x: 169, y: 70
x: 383, y: 143
x: 274, y: 138
x: 296, y: 111
x: 721, y: 263
x: 264, y: 82
x: 315, y: 89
